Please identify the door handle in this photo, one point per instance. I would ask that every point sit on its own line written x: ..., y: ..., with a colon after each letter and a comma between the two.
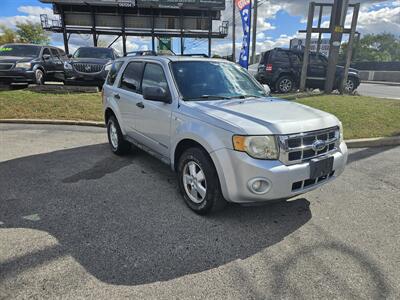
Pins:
x: 140, y: 105
x: 117, y: 96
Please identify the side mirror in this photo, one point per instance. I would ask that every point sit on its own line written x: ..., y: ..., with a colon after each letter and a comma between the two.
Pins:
x: 46, y: 56
x: 156, y: 94
x: 267, y: 89
x: 69, y: 55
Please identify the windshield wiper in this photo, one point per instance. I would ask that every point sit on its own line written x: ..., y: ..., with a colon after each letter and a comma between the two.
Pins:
x: 245, y: 96
x: 206, y: 97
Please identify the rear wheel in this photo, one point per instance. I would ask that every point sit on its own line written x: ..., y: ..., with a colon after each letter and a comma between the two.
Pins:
x: 119, y: 145
x: 350, y: 85
x: 285, y: 84
x: 199, y: 183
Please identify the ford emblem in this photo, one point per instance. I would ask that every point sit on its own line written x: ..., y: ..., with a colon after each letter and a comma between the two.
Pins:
x: 318, y: 145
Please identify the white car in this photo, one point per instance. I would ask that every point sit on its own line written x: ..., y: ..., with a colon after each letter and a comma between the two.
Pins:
x: 215, y: 125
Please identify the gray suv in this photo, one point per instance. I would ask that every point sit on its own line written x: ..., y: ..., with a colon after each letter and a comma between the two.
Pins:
x: 215, y: 125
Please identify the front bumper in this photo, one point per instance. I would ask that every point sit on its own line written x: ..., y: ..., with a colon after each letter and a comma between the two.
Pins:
x: 236, y: 169
x: 17, y: 76
x: 77, y: 78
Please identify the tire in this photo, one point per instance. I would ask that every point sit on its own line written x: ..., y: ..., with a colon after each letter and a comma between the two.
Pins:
x: 118, y: 144
x: 350, y: 86
x: 284, y: 84
x: 39, y: 77
x: 201, y: 192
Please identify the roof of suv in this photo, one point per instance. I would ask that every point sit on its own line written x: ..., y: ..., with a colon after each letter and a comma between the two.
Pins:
x: 173, y: 58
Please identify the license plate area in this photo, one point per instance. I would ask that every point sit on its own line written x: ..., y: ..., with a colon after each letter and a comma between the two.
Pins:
x: 320, y: 167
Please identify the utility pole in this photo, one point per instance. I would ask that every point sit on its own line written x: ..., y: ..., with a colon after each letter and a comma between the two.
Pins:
x: 254, y: 41
x: 234, y: 30
x: 338, y: 18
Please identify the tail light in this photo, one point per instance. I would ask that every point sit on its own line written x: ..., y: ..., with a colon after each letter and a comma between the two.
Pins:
x: 268, y: 68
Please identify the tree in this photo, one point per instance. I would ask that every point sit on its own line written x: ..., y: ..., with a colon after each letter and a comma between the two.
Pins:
x: 7, y: 35
x: 32, y: 33
x: 380, y: 48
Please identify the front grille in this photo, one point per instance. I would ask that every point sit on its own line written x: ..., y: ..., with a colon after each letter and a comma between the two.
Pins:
x: 304, y: 184
x: 298, y: 148
x: 5, y: 67
x: 88, y: 68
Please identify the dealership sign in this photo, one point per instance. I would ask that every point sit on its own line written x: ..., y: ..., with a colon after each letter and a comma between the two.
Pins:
x: 245, y: 12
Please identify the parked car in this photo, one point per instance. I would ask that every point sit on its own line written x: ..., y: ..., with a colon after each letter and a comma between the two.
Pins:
x: 23, y: 63
x: 281, y: 70
x: 89, y: 66
x: 213, y: 123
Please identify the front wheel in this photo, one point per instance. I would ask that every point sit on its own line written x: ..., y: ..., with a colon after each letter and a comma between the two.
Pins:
x: 39, y: 77
x: 350, y: 85
x: 119, y: 145
x: 285, y: 84
x: 199, y: 182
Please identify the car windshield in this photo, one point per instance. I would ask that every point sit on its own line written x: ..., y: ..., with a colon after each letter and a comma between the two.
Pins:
x: 213, y: 80
x: 102, y: 53
x: 20, y: 50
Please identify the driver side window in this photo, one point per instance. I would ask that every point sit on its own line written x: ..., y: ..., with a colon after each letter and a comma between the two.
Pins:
x: 154, y: 77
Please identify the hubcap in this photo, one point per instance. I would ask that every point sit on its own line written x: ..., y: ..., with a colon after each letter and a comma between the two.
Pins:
x: 349, y: 86
x: 113, y: 135
x: 194, y: 182
x: 39, y: 76
x: 285, y: 85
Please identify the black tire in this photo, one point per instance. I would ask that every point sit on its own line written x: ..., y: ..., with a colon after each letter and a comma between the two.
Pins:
x: 350, y: 86
x: 213, y: 200
x: 39, y: 77
x: 284, y: 84
x: 120, y: 146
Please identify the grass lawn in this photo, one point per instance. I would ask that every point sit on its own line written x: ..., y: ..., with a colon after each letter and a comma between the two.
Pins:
x: 362, y: 117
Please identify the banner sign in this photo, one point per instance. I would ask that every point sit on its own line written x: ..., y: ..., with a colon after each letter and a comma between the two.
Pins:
x: 245, y: 12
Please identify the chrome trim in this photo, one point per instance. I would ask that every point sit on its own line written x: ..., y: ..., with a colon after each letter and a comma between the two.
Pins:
x: 285, y: 150
x: 86, y: 64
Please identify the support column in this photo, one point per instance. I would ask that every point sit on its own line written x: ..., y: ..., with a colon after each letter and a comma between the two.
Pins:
x: 123, y: 32
x: 254, y: 37
x: 209, y: 33
x: 306, y: 56
x: 94, y: 33
x: 153, y: 41
x: 234, y: 30
x: 65, y: 36
x: 181, y: 26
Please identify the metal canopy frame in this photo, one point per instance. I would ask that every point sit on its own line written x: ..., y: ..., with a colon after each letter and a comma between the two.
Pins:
x: 60, y: 26
x: 336, y: 30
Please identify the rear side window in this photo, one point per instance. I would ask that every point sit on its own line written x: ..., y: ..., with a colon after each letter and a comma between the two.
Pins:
x: 264, y: 57
x: 280, y: 57
x: 132, y: 77
x: 54, y: 52
x: 113, y: 73
x: 295, y: 59
x: 62, y: 53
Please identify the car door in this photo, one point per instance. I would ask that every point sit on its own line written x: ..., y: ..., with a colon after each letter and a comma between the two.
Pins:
x: 128, y: 94
x: 58, y: 64
x: 48, y: 62
x: 317, y: 69
x: 154, y: 118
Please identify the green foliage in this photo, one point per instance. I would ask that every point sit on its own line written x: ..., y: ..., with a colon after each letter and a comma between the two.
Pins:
x: 380, y: 48
x: 32, y: 33
x: 7, y: 35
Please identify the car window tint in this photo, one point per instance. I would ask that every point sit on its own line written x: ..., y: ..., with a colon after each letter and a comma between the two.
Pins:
x: 264, y: 57
x: 62, y: 53
x: 280, y: 56
x: 295, y: 59
x: 46, y: 51
x: 112, y: 75
x: 132, y: 77
x: 54, y: 52
x: 154, y: 76
x: 314, y: 59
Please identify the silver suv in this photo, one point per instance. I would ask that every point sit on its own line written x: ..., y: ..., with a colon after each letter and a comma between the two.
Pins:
x: 215, y: 125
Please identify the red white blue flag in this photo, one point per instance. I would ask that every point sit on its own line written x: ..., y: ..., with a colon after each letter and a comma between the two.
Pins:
x: 245, y: 12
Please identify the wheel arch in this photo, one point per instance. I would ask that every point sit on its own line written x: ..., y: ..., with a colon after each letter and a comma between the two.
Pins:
x: 185, y: 144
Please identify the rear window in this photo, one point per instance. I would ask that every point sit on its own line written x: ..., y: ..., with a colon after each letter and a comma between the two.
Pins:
x: 264, y: 57
x: 132, y: 77
x: 113, y: 73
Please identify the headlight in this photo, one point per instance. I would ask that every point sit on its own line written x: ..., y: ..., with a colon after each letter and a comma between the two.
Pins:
x: 260, y: 147
x: 67, y: 66
x: 107, y: 68
x: 23, y: 65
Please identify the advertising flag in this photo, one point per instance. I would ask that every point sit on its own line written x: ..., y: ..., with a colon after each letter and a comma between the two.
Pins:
x: 245, y: 12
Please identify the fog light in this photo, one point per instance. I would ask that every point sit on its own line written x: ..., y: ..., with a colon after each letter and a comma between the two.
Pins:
x: 259, y: 186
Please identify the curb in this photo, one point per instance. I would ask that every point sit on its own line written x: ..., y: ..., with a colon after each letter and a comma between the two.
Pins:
x: 53, y: 122
x: 381, y: 82
x: 357, y: 143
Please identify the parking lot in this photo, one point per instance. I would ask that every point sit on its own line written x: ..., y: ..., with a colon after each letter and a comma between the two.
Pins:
x: 76, y: 221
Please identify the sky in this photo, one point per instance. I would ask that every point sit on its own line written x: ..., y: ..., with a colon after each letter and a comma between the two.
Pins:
x: 278, y: 22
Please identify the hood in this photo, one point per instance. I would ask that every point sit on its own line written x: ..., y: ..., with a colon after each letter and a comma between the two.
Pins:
x: 266, y: 115
x: 90, y: 60
x: 14, y: 59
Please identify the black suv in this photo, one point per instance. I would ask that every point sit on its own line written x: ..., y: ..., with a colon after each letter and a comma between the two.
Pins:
x: 281, y: 70
x: 22, y: 63
x: 89, y: 66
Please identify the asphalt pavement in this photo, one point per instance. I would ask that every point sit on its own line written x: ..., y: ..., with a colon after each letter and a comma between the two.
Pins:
x: 77, y: 222
x: 379, y: 90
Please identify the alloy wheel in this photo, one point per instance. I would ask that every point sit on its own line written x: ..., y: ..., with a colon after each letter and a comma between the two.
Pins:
x: 194, y: 182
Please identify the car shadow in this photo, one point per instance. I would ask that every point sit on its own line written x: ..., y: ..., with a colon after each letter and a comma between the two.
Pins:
x: 123, y: 219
